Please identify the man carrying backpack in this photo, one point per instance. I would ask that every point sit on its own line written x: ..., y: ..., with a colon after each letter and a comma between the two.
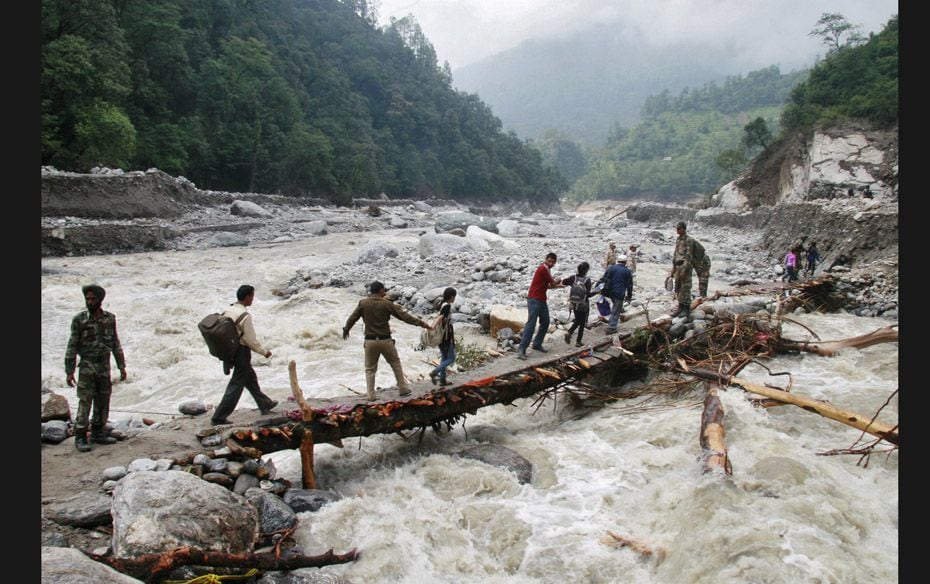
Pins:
x: 618, y: 286
x: 243, y: 375
x: 578, y: 295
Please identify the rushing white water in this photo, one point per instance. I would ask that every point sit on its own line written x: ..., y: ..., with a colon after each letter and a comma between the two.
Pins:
x: 418, y: 514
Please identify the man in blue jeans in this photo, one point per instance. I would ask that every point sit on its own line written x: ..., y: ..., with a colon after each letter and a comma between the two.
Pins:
x: 618, y: 286
x: 538, y: 307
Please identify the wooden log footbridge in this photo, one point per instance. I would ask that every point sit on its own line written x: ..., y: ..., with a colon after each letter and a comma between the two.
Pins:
x: 619, y: 358
x: 331, y: 420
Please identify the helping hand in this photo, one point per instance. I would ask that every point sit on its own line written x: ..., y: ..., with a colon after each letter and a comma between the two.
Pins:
x: 122, y: 374
x: 345, y: 334
x: 71, y: 379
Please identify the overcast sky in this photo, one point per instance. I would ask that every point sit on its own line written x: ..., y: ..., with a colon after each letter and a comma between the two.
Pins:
x: 767, y: 32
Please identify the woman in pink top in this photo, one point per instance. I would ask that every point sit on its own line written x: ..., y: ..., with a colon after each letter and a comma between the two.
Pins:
x: 791, y: 265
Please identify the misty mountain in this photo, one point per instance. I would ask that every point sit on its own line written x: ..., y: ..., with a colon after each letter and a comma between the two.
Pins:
x: 585, y: 84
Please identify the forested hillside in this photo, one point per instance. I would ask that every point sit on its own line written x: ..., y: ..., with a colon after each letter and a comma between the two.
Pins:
x: 581, y: 85
x: 857, y: 80
x: 691, y: 145
x: 298, y: 97
x: 674, y: 153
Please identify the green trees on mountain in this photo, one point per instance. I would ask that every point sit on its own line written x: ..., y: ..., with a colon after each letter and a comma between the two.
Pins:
x: 857, y: 79
x: 691, y: 145
x: 300, y: 97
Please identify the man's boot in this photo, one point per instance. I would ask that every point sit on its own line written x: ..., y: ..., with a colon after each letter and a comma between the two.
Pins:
x: 80, y: 442
x: 684, y: 311
x: 98, y: 437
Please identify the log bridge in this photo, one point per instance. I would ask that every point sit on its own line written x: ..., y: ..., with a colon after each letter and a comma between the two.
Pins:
x: 622, y: 357
x: 330, y: 423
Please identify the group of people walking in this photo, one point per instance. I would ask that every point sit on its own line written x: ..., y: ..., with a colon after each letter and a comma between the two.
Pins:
x: 94, y: 337
x: 616, y: 285
x: 800, y: 261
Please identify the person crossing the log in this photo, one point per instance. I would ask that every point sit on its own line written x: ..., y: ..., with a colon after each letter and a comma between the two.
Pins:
x: 243, y: 375
x: 93, y: 338
x: 580, y: 293
x: 538, y: 307
x: 791, y: 265
x: 813, y: 256
x: 632, y: 255
x: 688, y: 252
x: 376, y: 310
x: 611, y: 258
x: 447, y: 344
x: 618, y: 286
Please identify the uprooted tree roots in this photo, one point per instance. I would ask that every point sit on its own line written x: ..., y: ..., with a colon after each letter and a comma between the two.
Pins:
x: 718, y: 353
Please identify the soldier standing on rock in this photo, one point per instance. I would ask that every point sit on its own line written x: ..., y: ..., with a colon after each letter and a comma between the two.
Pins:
x: 688, y: 255
x: 93, y: 337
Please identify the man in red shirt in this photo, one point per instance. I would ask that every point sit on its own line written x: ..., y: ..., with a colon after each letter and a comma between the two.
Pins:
x: 536, y: 304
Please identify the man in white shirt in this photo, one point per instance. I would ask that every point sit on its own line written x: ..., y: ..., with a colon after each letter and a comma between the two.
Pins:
x: 243, y: 374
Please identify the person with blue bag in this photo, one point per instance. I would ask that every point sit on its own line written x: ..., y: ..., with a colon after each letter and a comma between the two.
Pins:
x: 447, y: 343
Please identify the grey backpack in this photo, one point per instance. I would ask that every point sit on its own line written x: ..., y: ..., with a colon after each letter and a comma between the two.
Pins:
x: 578, y: 294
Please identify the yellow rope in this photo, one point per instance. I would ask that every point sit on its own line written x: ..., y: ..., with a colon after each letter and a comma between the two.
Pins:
x: 215, y: 578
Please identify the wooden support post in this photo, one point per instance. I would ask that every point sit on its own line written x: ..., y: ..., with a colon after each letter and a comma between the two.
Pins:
x: 306, y: 443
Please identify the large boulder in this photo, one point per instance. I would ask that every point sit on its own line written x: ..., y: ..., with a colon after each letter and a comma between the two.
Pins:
x: 154, y: 512
x: 441, y: 244
x: 65, y: 565
x: 481, y: 240
x: 501, y: 457
x: 448, y: 220
x: 55, y: 407
x: 508, y: 227
x: 84, y: 509
x: 374, y: 251
x: 507, y: 317
x: 248, y: 209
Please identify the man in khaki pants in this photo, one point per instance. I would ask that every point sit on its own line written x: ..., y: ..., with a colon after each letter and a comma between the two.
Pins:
x: 376, y: 310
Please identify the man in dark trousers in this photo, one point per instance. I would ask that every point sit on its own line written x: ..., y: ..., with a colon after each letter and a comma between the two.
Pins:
x: 94, y: 338
x: 243, y: 374
x: 376, y: 311
x: 538, y: 307
x: 618, y: 286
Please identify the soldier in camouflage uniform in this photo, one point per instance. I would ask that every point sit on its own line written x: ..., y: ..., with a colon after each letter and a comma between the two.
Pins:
x: 688, y: 254
x: 702, y: 267
x: 93, y: 337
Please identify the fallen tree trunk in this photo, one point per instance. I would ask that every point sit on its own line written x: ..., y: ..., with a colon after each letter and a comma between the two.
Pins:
x: 888, y: 334
x: 884, y: 431
x: 713, y: 442
x: 154, y: 567
x: 439, y: 406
